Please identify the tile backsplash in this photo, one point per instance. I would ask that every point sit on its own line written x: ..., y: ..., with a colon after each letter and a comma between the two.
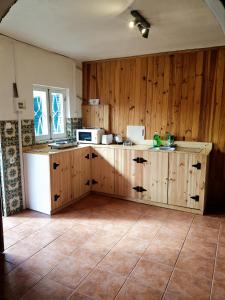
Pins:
x: 10, y: 167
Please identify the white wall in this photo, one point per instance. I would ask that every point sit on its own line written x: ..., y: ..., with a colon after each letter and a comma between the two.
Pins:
x: 34, y: 66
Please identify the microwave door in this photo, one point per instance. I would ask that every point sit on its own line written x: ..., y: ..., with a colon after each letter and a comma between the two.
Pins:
x: 85, y: 136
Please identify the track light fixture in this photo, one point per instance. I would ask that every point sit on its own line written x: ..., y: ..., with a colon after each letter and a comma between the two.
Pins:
x: 139, y: 21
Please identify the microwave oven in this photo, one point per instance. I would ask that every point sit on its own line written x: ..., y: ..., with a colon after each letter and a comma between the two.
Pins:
x: 90, y: 135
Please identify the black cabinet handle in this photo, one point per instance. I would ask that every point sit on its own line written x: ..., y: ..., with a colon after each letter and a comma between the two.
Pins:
x: 55, y: 165
x: 196, y: 198
x: 139, y: 189
x: 197, y: 166
x: 93, y: 155
x: 87, y: 156
x: 94, y: 181
x: 136, y: 159
x: 139, y: 160
x: 142, y: 160
x: 87, y: 183
x: 56, y: 197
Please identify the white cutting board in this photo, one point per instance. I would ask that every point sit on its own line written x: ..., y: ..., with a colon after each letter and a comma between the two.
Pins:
x: 136, y: 134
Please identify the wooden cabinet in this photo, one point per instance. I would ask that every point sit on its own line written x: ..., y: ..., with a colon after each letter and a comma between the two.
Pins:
x: 102, y: 170
x: 81, y: 172
x: 60, y: 169
x: 175, y: 180
x: 187, y: 177
x: 53, y: 181
x: 141, y: 175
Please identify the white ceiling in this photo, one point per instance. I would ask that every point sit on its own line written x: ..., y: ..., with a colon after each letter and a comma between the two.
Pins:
x: 97, y: 29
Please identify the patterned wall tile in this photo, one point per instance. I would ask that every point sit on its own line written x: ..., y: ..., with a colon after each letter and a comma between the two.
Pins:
x: 28, y: 135
x: 10, y: 167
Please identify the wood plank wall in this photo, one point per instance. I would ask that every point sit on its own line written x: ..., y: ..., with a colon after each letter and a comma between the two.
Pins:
x: 180, y: 92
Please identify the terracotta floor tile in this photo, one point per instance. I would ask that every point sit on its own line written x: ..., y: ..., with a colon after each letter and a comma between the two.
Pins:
x: 9, y: 241
x: 132, y: 246
x: 196, y: 264
x: 63, y: 245
x: 173, y: 232
x: 5, y: 267
x: 161, y: 253
x: 78, y: 296
x: 205, y: 221
x: 184, y: 285
x: 169, y: 241
x: 101, y: 285
x: 222, y: 236
x: 206, y: 249
x: 103, y: 238
x: 219, y: 274
x: 152, y: 274
x: 17, y: 283
x: 20, y: 252
x: 134, y: 291
x: 151, y: 220
x: 142, y: 232
x: 89, y: 256
x: 221, y: 250
x: 118, y: 262
x: 43, y: 262
x: 48, y: 290
x: 218, y: 290
x: 41, y: 238
x: 205, y: 234
x: 69, y: 272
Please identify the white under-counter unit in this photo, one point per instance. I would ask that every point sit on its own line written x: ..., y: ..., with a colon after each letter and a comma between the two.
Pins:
x: 177, y: 179
x: 55, y: 178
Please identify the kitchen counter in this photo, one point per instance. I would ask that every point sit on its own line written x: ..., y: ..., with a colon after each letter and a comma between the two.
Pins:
x: 182, y: 147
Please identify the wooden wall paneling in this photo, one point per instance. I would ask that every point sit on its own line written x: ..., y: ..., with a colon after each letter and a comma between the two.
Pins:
x: 183, y: 93
x: 149, y: 95
x: 140, y: 91
x: 197, y: 83
x: 96, y: 116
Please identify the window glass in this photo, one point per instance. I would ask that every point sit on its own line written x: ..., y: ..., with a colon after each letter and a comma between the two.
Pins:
x: 57, y: 111
x: 40, y: 113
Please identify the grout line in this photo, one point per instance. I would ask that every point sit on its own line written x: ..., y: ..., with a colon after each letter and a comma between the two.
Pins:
x: 163, y: 295
x: 214, y: 267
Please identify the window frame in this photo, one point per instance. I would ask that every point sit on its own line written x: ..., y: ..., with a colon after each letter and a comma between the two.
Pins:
x: 56, y: 136
x: 49, y: 90
x: 43, y: 137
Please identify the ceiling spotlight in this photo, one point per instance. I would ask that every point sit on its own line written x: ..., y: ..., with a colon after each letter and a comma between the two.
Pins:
x: 142, y: 24
x: 131, y: 24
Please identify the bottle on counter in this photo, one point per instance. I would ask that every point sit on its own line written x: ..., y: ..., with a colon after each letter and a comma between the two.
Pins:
x: 169, y: 139
x: 156, y: 140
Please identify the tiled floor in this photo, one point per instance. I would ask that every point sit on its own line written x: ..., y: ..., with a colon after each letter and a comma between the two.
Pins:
x: 104, y: 248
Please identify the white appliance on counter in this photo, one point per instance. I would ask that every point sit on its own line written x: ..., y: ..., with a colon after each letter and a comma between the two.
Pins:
x: 107, y: 139
x: 90, y: 135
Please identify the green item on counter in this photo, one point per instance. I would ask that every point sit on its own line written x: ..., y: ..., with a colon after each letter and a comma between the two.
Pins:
x: 169, y: 139
x: 156, y: 140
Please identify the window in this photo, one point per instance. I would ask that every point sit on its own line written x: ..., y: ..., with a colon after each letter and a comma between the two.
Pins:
x: 49, y: 113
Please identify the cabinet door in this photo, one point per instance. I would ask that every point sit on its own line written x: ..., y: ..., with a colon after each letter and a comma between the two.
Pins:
x: 125, y: 173
x: 102, y: 170
x: 81, y: 166
x: 178, y: 179
x: 60, y: 179
x: 187, y: 174
x: 155, y: 176
x: 141, y: 175
x: 196, y: 181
